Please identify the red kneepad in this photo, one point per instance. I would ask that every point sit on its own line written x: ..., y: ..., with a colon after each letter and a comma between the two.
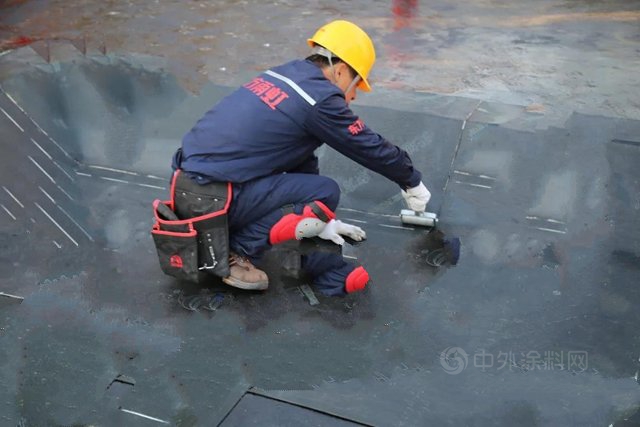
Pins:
x: 285, y: 229
x: 356, y: 280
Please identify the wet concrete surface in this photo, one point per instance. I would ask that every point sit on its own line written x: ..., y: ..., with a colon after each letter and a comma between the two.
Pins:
x: 536, y: 325
x: 558, y: 55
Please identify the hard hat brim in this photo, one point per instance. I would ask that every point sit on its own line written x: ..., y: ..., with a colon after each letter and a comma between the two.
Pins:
x: 364, y: 85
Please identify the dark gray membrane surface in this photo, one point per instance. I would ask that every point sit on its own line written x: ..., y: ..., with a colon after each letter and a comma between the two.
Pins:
x: 542, y: 307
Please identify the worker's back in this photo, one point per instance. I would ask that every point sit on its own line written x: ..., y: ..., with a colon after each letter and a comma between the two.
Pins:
x: 259, y: 129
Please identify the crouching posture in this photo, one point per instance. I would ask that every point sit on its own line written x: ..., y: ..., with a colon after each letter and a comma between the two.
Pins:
x: 259, y: 142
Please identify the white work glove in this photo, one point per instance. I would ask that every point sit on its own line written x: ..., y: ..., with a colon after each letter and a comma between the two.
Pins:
x: 417, y: 197
x: 335, y: 228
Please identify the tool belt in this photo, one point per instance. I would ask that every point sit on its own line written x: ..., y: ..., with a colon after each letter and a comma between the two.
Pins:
x: 191, y: 232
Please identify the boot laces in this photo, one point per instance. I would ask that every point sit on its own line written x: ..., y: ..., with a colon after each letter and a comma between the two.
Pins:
x: 240, y: 261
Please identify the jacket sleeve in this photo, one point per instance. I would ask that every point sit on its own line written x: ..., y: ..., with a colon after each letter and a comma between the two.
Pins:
x: 333, y: 122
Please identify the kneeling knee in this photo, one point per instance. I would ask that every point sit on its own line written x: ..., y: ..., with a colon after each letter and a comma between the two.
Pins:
x: 357, y: 280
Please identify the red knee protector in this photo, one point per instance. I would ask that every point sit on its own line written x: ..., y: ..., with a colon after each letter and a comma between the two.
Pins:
x: 285, y: 229
x: 356, y: 280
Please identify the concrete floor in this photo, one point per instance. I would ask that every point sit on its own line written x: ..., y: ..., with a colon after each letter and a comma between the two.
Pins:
x: 555, y: 56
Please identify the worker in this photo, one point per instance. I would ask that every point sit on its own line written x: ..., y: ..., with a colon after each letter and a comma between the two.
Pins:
x: 261, y: 139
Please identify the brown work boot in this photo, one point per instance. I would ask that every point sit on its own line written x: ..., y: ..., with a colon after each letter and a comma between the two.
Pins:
x: 244, y: 275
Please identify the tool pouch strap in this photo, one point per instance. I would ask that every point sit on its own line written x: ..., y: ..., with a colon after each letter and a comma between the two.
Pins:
x: 196, y: 237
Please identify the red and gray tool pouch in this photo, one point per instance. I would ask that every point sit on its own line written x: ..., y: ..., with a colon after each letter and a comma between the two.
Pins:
x: 190, y: 232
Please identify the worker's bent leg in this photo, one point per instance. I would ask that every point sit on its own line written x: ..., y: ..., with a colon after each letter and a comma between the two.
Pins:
x: 255, y: 199
x: 257, y: 218
x: 253, y: 239
x: 332, y: 275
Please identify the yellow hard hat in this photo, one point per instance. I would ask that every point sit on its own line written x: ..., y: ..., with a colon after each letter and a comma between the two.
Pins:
x: 350, y: 43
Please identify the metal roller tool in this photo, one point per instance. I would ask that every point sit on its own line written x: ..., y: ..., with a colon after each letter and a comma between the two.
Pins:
x: 439, y: 249
x: 424, y: 219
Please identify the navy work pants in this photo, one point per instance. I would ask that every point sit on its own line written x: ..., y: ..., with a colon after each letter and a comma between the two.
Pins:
x: 257, y: 206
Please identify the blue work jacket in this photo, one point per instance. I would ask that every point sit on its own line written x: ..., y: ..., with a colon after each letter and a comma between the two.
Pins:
x: 274, y: 123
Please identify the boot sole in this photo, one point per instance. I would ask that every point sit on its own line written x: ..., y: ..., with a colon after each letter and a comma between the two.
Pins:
x: 261, y: 286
